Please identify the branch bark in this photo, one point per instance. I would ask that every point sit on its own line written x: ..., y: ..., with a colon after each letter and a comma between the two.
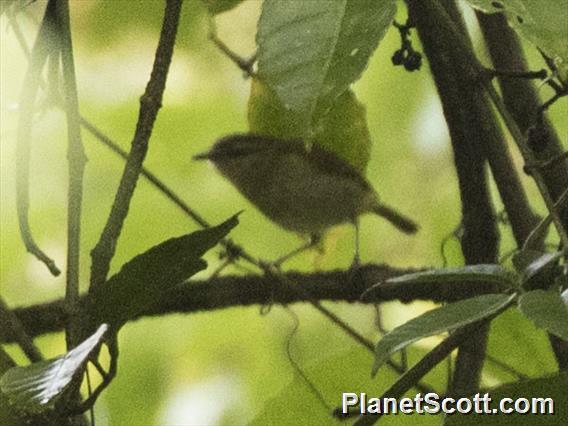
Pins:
x: 9, y: 321
x: 521, y: 98
x: 233, y: 291
x: 77, y: 160
x: 473, y: 130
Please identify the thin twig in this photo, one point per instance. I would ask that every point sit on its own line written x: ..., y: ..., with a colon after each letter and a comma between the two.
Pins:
x: 108, y: 377
x: 327, y: 313
x: 90, y: 392
x: 40, y: 52
x: 245, y: 65
x: 538, y: 233
x: 10, y: 321
x: 150, y: 103
x: 152, y: 178
x: 547, y: 163
x: 77, y: 160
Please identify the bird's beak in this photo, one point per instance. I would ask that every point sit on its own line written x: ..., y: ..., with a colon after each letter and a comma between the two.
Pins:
x: 202, y: 156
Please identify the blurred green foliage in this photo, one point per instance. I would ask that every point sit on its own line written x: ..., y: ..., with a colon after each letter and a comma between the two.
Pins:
x: 343, y: 131
x: 410, y: 166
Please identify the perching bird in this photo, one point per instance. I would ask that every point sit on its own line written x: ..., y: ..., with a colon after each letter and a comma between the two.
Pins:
x: 303, y: 190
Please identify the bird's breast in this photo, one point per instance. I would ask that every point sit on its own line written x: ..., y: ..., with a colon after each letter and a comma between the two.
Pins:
x: 293, y: 193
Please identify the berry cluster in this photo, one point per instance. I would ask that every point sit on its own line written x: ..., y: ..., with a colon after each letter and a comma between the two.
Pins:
x: 406, y: 55
x: 411, y: 59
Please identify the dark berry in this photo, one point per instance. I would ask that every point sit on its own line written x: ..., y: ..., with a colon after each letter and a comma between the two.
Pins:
x: 413, y: 61
x: 398, y: 57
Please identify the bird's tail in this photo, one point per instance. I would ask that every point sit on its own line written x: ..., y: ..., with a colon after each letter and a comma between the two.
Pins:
x: 403, y: 223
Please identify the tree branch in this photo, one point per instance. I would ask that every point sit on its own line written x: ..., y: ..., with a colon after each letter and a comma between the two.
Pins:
x: 41, y: 50
x: 9, y: 321
x: 231, y: 291
x: 522, y: 100
x: 77, y: 160
x: 474, y: 72
x: 150, y: 103
x: 474, y: 134
x: 520, y: 96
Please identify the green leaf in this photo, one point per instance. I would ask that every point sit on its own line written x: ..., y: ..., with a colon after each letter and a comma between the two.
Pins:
x: 342, y: 131
x: 540, y: 269
x: 147, y: 277
x: 445, y: 318
x: 215, y: 7
x: 310, y: 52
x: 35, y: 388
x: 515, y: 341
x: 489, y: 273
x: 267, y: 115
x: 547, y: 309
x: 541, y: 22
x: 552, y: 388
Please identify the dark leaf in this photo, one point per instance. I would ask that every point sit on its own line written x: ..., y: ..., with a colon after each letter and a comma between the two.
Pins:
x: 547, y: 309
x: 445, y: 318
x: 147, y: 277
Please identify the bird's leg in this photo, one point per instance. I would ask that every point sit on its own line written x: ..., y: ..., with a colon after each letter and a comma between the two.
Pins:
x: 313, y: 241
x: 356, y: 259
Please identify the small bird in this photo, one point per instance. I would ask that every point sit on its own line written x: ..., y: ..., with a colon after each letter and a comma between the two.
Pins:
x: 302, y: 190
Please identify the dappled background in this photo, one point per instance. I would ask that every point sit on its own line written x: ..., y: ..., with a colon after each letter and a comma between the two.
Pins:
x: 227, y: 367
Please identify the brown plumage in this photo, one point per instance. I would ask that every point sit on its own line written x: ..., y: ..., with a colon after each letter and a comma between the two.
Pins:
x: 305, y: 191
